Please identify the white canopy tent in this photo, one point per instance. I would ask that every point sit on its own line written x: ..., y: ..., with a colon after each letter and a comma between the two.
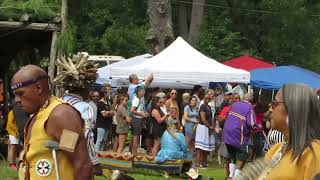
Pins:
x: 104, y: 75
x: 179, y: 66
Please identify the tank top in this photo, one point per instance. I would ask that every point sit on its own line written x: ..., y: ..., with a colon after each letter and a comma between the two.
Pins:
x: 38, y: 158
x: 157, y: 129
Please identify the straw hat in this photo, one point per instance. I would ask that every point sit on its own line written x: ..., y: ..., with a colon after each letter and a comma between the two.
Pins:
x: 193, y: 173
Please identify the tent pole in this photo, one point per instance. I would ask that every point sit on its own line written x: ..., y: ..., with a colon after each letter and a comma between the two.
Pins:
x: 272, y: 94
x: 249, y: 88
x: 260, y: 91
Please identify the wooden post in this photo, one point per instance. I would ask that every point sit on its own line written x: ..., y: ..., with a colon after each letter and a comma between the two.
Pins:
x: 64, y: 21
x: 53, y: 56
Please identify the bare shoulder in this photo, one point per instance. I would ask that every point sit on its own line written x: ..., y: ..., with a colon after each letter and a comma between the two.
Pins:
x: 64, y: 116
x: 65, y: 111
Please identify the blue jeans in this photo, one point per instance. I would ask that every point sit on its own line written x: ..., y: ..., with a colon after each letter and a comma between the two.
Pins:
x: 102, y: 134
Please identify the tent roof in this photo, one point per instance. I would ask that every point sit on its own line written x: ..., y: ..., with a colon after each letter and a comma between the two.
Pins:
x: 247, y: 63
x: 275, y: 78
x: 180, y: 63
x: 104, y: 72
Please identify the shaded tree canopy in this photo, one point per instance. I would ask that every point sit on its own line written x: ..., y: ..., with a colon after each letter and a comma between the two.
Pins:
x: 285, y: 32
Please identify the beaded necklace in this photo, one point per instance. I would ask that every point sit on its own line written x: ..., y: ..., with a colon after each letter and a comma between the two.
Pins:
x: 277, y: 157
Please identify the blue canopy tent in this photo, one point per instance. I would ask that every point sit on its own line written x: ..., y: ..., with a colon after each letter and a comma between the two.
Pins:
x: 275, y: 78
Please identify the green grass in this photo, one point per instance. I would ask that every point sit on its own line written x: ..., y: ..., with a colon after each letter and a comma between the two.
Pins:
x: 217, y: 173
x: 6, y: 173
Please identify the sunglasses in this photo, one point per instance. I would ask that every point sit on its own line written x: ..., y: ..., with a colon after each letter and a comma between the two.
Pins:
x: 174, y: 93
x: 275, y: 103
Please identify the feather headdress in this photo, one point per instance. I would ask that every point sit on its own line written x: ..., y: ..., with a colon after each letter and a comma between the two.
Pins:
x: 78, y: 71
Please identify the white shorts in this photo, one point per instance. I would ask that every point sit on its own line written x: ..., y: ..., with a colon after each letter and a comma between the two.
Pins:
x: 13, y: 140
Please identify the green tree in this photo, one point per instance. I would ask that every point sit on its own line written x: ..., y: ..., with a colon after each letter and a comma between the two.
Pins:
x: 123, y: 40
x: 110, y: 26
x: 219, y: 42
x: 294, y: 36
x: 285, y: 32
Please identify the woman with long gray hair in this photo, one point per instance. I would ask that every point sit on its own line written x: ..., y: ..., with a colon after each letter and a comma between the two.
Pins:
x: 295, y: 113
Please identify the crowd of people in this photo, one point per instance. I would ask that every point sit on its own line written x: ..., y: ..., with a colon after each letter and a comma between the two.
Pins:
x: 169, y: 124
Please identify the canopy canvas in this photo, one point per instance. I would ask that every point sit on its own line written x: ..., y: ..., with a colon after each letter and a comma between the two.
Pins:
x: 247, y: 63
x: 104, y: 72
x: 275, y: 78
x: 180, y: 66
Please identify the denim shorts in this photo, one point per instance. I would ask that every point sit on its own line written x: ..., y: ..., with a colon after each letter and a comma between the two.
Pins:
x: 189, y: 129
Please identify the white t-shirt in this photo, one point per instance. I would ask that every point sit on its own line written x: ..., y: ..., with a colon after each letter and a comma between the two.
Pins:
x: 136, y: 102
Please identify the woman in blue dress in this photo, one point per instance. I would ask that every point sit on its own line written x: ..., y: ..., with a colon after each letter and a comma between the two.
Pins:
x: 173, y: 144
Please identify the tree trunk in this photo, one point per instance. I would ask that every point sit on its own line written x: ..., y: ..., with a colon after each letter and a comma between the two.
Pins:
x: 53, y: 57
x: 196, y: 19
x: 64, y: 15
x: 183, y: 21
x: 160, y: 20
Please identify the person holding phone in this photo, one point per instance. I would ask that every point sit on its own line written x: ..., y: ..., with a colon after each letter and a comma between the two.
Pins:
x: 158, y: 123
